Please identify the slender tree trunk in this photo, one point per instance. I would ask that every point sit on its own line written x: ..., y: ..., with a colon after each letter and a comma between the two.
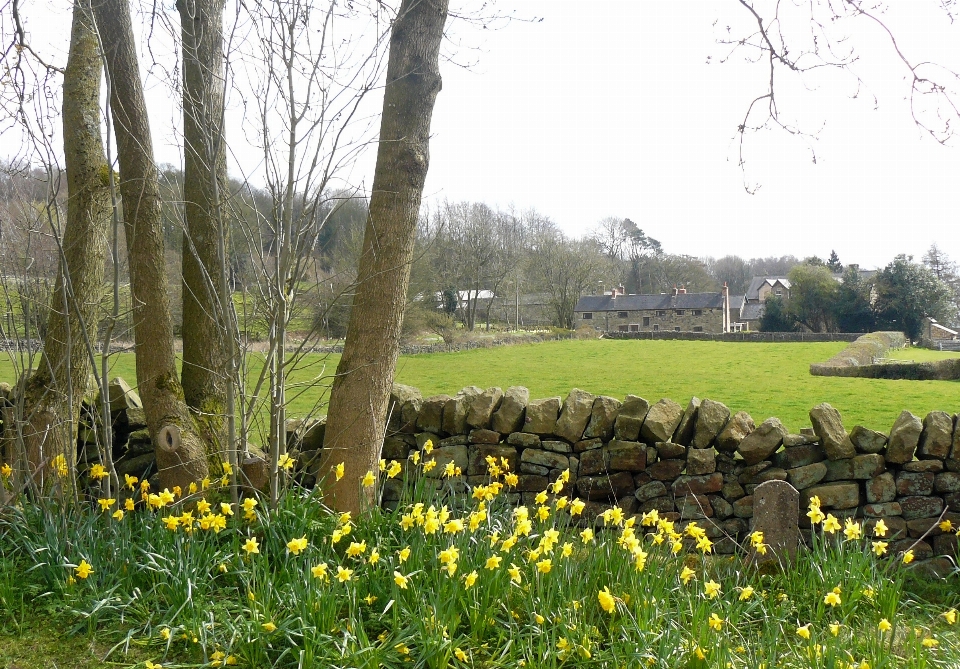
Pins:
x: 181, y: 458
x: 53, y: 394
x: 361, y: 390
x: 205, y: 365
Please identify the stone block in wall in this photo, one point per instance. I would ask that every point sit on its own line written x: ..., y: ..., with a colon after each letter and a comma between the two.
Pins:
x: 904, y: 438
x: 661, y: 504
x: 574, y: 468
x: 882, y: 510
x: 661, y: 421
x: 698, y: 485
x: 523, y: 440
x: 807, y: 475
x: 799, y: 456
x: 587, y: 445
x: 946, y: 482
x: 509, y: 417
x: 531, y: 483
x: 860, y: 467
x: 866, y: 440
x: 930, y: 527
x: 726, y: 464
x: 914, y: 483
x: 792, y: 440
x: 722, y: 509
x: 732, y: 491
x: 542, y: 458
x: 946, y: 544
x: 480, y: 407
x: 735, y: 431
x: 921, y: 549
x: 762, y: 442
x: 667, y: 450
x: 613, y: 486
x: 574, y: 415
x: 828, y: 426
x: 630, y: 418
x: 840, y: 495
x: 627, y: 456
x: 134, y: 418
x: 454, y: 440
x: 602, y: 418
x: 952, y: 465
x: 955, y: 449
x: 391, y: 489
x: 932, y: 466
x: 455, y: 410
x: 651, y: 490
x: 920, y: 507
x: 743, y: 507
x: 404, y: 408
x: 477, y: 460
x: 556, y: 446
x: 936, y: 437
x: 628, y: 505
x: 769, y: 474
x: 395, y: 449
x: 712, y: 417
x: 882, y: 488
x: 482, y: 436
x: 444, y: 455
x: 593, y: 462
x: 694, y: 507
x: 430, y: 418
x: 641, y: 479
x: 665, y: 470
x: 701, y: 461
x: 541, y: 416
x: 688, y: 422
x: 652, y: 454
x: 749, y: 473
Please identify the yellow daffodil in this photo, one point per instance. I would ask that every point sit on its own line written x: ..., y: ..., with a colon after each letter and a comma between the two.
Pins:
x: 460, y: 655
x: 687, y: 574
x: 118, y: 514
x: 950, y: 616
x: 356, y: 549
x: 851, y: 530
x: 368, y: 480
x: 908, y: 557
x: 152, y: 665
x: 428, y: 446
x: 832, y: 599
x: 268, y: 627
x: 105, y: 504
x: 880, y: 529
x: 879, y: 547
x: 60, y: 465
x: 295, y: 546
x: 400, y: 580
x: 884, y: 625
x: 711, y: 589
x: 946, y: 525
x: 429, y: 465
x: 128, y: 504
x: 929, y: 642
x: 746, y: 593
x: 98, y: 472
x: 320, y: 571
x: 834, y: 629
x: 344, y: 574
x: 576, y: 507
x: 470, y: 578
x: 804, y: 631
x: 544, y: 566
x: 567, y: 549
x: 374, y: 557
x: 831, y: 524
x: 251, y: 546
x: 404, y: 554
x: 6, y: 470
x: 83, y: 570
x: 172, y: 522
x: 394, y: 469
x: 338, y: 471
x: 715, y: 622
x: 607, y: 601
x: 285, y: 462
x: 586, y: 535
x: 203, y: 506
x: 515, y: 576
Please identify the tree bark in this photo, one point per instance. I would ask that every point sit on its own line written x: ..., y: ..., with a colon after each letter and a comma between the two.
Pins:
x: 361, y: 389
x: 181, y: 458
x: 53, y: 394
x: 204, y: 374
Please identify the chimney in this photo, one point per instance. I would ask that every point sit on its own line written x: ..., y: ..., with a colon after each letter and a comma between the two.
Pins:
x: 675, y: 291
x: 621, y: 289
x: 682, y: 290
x: 726, y: 307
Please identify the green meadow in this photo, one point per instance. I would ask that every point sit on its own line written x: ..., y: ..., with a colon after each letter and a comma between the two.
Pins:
x: 759, y: 378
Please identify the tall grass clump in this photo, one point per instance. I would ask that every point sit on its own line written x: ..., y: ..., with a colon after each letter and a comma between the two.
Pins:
x: 457, y: 576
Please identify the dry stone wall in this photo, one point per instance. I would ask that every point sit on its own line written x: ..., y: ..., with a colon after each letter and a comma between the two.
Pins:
x: 701, y: 461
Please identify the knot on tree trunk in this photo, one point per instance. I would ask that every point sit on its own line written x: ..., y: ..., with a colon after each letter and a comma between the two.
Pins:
x: 168, y: 438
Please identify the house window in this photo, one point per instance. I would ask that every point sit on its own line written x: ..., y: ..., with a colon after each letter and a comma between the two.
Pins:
x: 679, y: 312
x: 697, y: 312
x: 661, y: 313
x: 656, y: 328
x: 698, y: 328
x: 587, y: 315
x: 622, y: 314
x: 622, y: 328
x: 778, y: 292
x: 676, y: 329
x: 646, y: 321
x: 634, y: 327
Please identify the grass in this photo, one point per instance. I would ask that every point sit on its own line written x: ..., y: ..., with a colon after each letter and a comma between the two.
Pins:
x: 763, y: 379
x: 526, y: 588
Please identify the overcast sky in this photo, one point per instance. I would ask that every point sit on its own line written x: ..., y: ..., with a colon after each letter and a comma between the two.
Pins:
x: 623, y: 108
x: 611, y: 109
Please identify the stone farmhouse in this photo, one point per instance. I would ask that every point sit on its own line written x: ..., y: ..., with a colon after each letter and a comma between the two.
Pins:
x: 760, y: 288
x: 678, y: 311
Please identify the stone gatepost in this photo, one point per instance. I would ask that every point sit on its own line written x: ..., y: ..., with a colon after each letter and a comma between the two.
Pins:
x: 776, y: 513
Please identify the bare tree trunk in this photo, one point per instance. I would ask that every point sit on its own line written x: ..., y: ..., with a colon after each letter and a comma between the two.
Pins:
x: 205, y: 365
x: 53, y: 394
x: 361, y: 389
x: 181, y: 458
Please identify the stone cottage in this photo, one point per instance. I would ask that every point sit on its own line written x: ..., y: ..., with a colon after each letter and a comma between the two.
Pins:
x: 678, y: 311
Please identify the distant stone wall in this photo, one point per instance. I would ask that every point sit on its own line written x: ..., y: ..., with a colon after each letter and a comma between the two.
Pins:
x: 700, y: 462
x: 809, y: 337
x: 860, y: 360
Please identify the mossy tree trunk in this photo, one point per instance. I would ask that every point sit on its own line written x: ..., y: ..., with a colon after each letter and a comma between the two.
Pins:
x: 181, y: 456
x: 205, y: 365
x: 361, y: 389
x: 52, y: 396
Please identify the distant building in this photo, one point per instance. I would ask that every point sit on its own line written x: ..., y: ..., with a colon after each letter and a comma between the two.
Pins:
x: 678, y: 311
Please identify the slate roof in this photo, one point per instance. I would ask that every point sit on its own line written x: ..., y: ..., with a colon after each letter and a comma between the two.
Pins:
x: 751, y: 311
x: 753, y: 291
x: 650, y: 302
